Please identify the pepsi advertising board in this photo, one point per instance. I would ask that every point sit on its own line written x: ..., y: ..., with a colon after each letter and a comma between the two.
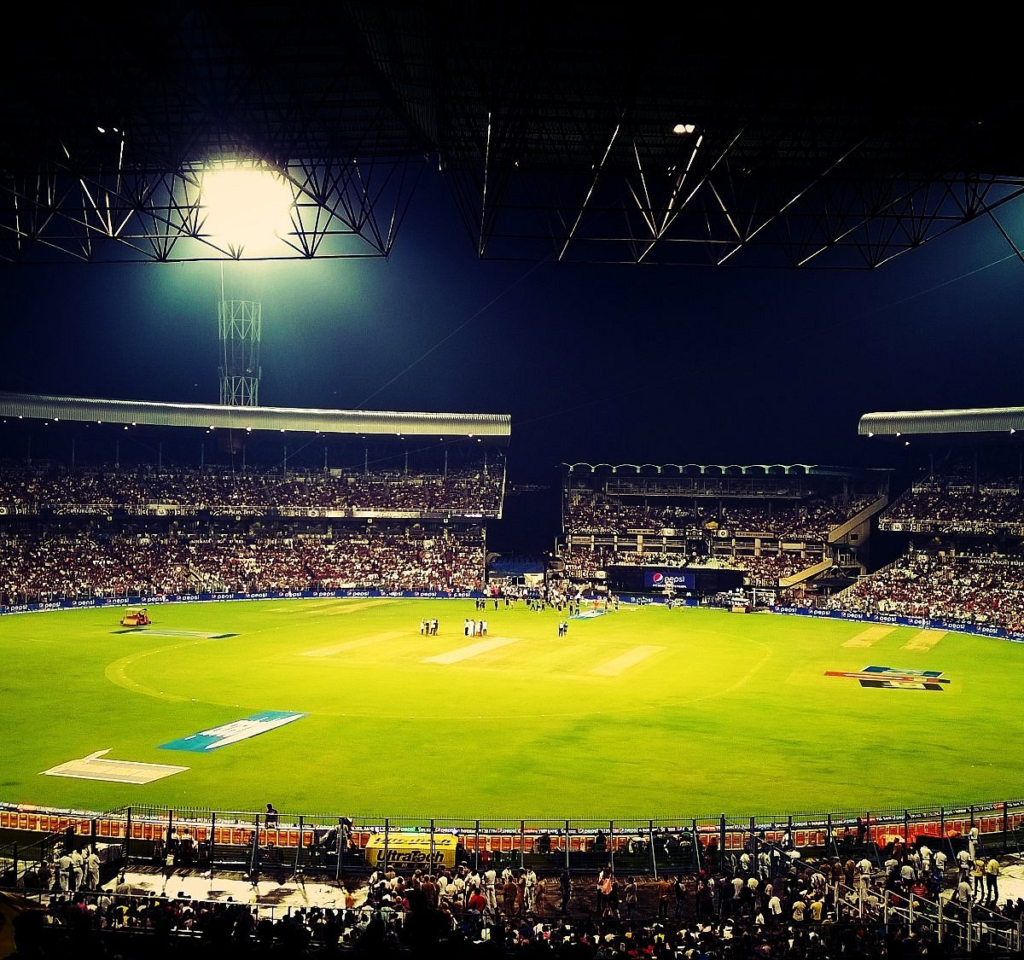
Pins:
x: 677, y: 581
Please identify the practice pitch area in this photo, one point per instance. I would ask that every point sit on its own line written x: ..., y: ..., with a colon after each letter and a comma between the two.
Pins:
x: 343, y: 706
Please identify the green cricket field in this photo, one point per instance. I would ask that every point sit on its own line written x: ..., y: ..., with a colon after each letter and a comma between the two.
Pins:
x: 643, y: 712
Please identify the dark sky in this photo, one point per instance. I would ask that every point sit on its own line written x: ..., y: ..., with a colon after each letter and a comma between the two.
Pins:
x: 595, y: 363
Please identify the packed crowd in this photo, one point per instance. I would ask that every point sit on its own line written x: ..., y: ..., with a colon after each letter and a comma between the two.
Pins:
x: 591, y: 512
x: 763, y: 570
x: 767, y: 902
x: 29, y: 490
x: 981, y: 589
x: 38, y: 567
x: 956, y: 505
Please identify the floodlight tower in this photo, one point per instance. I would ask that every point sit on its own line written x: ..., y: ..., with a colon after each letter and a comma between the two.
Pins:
x: 240, y: 325
x: 245, y: 207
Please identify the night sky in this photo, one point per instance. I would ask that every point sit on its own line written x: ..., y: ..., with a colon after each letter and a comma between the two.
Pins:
x: 594, y: 363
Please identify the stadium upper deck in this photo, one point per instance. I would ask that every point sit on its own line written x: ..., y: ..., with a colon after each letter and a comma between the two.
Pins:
x: 773, y: 522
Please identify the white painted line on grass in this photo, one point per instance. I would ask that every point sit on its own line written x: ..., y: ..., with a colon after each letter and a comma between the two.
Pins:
x: 621, y: 664
x: 473, y: 650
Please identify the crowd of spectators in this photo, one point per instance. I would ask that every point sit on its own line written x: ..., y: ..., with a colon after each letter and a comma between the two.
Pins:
x: 767, y: 902
x: 956, y: 505
x: 983, y: 589
x: 36, y: 566
x: 465, y: 492
x: 593, y: 513
x: 761, y: 570
x: 712, y: 533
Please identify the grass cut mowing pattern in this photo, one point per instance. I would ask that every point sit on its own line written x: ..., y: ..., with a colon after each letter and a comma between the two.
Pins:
x: 644, y: 712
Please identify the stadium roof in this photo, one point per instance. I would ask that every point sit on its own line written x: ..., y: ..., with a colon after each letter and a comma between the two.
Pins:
x: 714, y: 469
x: 994, y: 420
x: 495, y: 427
x: 565, y: 131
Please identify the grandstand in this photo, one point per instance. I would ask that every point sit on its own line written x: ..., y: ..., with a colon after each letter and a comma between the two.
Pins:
x: 100, y: 507
x: 764, y: 528
x: 958, y: 525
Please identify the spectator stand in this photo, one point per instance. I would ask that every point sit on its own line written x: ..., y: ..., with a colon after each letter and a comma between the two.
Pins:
x: 774, y: 523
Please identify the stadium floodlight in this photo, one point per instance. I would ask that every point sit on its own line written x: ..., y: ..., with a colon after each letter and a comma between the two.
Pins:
x: 247, y: 208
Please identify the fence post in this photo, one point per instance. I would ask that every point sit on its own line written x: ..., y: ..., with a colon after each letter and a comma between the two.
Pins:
x: 476, y: 848
x: 387, y: 840
x: 344, y: 838
x: 14, y: 857
x: 566, y: 844
x: 432, y: 825
x: 254, y: 864
x: 721, y: 842
x: 522, y: 844
x: 213, y: 844
x: 906, y: 829
x: 698, y: 853
x: 650, y: 848
x: 1006, y: 827
x: 128, y: 839
x: 831, y: 847
x: 297, y: 868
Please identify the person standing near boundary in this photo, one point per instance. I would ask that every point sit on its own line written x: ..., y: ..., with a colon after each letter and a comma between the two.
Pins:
x: 978, y: 876
x: 490, y: 884
x: 565, y: 889
x: 92, y: 868
x: 530, y: 891
x: 664, y: 892
x: 992, y: 881
x: 631, y: 896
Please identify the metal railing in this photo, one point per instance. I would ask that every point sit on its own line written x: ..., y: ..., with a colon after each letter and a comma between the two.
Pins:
x: 334, y: 846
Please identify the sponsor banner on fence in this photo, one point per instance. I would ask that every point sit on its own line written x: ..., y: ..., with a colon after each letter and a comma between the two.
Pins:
x: 339, y: 594
x: 344, y: 593
x: 411, y: 850
x: 922, y: 623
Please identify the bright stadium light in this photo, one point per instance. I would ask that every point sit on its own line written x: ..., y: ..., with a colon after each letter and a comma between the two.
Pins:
x: 247, y: 208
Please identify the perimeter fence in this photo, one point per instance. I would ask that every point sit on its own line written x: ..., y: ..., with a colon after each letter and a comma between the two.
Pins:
x: 333, y: 846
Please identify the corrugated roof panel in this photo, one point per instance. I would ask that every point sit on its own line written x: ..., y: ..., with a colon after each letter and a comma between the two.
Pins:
x: 911, y: 422
x: 205, y: 416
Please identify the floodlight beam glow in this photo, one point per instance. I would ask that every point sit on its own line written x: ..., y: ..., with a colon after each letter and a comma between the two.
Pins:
x: 247, y: 209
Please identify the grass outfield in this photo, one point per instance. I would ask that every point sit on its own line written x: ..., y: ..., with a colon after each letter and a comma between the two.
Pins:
x: 645, y: 712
